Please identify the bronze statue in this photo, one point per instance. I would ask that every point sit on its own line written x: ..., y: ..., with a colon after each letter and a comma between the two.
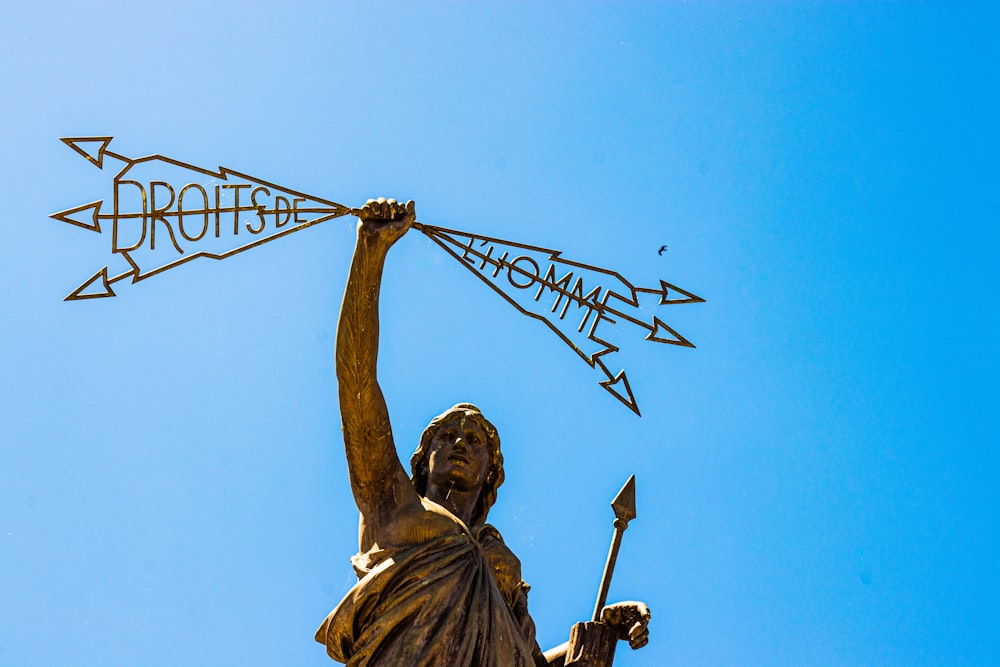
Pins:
x: 438, y: 587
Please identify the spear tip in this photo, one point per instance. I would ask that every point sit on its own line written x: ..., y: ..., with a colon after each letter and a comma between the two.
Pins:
x: 624, y: 502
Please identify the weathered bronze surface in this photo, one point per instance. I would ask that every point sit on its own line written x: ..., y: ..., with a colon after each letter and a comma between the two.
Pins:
x: 437, y: 585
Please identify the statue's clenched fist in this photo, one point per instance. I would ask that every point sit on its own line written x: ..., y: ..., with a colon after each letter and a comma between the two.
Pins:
x: 630, y: 620
x: 385, y: 210
x: 385, y: 219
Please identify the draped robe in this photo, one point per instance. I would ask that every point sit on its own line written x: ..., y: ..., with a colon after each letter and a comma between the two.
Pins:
x: 433, y: 604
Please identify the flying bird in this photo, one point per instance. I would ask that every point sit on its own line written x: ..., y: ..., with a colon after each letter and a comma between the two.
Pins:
x: 662, y: 249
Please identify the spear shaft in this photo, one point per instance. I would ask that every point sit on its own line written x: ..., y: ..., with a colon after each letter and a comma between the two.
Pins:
x: 624, y: 507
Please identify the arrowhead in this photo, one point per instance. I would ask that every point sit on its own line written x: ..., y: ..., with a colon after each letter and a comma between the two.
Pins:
x: 94, y: 153
x: 620, y: 389
x: 656, y: 335
x: 89, y: 290
x: 87, y: 222
x: 624, y: 502
x: 666, y: 287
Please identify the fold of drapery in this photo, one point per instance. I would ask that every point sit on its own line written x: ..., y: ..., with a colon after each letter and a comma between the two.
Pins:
x: 430, y: 605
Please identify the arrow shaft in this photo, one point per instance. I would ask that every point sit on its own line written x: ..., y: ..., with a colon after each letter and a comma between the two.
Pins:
x: 249, y: 208
x: 601, y: 306
x: 116, y: 156
x: 428, y: 231
x: 624, y: 316
x: 553, y: 286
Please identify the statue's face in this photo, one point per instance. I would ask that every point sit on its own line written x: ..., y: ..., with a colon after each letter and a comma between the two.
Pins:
x: 459, y: 455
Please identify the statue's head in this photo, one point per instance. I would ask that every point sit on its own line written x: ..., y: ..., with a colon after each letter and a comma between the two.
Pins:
x: 419, y: 462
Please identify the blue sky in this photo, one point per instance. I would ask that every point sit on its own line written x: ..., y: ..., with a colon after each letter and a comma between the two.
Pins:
x: 816, y: 482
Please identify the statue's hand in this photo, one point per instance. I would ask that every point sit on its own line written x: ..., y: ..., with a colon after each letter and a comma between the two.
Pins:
x: 630, y: 620
x: 386, y: 220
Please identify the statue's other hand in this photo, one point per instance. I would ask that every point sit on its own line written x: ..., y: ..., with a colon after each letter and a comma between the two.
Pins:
x: 386, y: 219
x: 630, y: 620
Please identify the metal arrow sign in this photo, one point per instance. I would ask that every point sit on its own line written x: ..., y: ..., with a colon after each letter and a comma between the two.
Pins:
x: 159, y: 218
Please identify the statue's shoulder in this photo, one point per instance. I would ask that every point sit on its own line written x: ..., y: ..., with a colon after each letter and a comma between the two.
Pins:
x: 425, y: 522
x: 410, y: 526
x: 486, y: 533
x: 504, y: 564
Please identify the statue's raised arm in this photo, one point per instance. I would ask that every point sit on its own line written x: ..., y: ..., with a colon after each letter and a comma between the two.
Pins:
x: 437, y: 585
x: 380, y: 484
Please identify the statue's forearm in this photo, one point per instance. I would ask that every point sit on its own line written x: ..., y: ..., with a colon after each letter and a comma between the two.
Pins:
x: 371, y: 455
x: 556, y: 657
x: 357, y: 330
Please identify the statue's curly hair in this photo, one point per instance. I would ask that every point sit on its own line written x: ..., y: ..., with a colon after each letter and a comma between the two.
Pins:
x: 494, y: 475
